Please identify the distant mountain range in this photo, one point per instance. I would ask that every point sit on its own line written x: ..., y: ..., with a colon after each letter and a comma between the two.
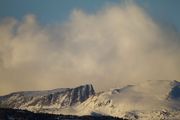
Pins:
x: 152, y: 99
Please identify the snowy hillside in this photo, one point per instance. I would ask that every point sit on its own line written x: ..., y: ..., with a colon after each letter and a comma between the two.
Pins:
x: 152, y: 99
x: 148, y: 99
x: 55, y: 99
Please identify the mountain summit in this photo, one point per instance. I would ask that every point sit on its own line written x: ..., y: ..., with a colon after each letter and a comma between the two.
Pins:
x: 57, y: 98
x: 151, y: 99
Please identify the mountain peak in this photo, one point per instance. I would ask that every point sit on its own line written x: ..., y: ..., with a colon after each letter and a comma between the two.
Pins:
x: 59, y: 98
x: 149, y: 95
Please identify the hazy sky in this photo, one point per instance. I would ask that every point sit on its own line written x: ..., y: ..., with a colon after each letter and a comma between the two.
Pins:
x: 63, y: 43
x: 58, y: 10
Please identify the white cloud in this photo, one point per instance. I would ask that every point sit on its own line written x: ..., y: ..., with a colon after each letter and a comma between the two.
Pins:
x: 117, y: 45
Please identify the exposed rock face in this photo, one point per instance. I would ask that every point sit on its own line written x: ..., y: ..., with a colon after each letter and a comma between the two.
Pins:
x: 80, y: 94
x: 175, y: 91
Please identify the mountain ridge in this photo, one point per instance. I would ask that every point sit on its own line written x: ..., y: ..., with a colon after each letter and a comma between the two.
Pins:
x: 64, y: 96
x: 146, y: 99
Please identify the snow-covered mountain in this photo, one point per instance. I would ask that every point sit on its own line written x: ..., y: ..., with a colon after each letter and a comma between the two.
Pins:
x: 52, y: 99
x: 147, y: 100
x: 152, y: 99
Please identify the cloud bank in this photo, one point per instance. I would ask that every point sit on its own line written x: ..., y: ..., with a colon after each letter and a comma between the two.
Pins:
x: 114, y: 46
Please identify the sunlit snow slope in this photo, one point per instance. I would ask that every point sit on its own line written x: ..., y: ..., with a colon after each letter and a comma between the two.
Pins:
x: 152, y: 99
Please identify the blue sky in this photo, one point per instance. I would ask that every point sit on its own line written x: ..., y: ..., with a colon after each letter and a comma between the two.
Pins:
x: 52, y: 11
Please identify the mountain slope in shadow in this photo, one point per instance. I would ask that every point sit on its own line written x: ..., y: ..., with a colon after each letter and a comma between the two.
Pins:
x: 15, y: 114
